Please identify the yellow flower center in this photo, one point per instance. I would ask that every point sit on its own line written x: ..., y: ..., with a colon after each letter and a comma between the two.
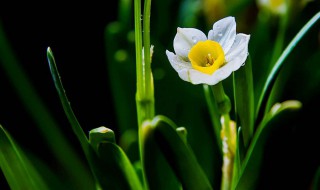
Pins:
x: 206, y: 56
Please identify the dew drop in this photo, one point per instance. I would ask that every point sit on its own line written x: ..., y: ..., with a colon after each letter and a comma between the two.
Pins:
x: 194, y: 39
x: 220, y: 34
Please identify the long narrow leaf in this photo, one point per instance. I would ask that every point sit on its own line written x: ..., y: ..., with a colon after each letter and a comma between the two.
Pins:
x: 17, y: 169
x: 252, y: 162
x: 179, y: 155
x: 244, y: 100
x: 120, y: 172
x: 275, y: 70
x: 159, y: 174
x: 45, y: 122
x: 64, y: 100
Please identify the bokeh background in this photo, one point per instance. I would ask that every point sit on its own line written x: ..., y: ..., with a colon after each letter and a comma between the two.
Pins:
x: 93, y: 44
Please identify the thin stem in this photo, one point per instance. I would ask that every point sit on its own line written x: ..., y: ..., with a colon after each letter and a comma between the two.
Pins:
x: 214, y: 116
x: 148, y: 83
x: 228, y: 135
x: 223, y: 101
x: 138, y: 45
x: 145, y: 90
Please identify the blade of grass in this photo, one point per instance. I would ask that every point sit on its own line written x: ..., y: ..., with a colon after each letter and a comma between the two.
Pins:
x: 65, y: 102
x: 63, y: 152
x: 275, y: 70
x: 244, y: 100
x: 17, y: 169
x: 99, y: 173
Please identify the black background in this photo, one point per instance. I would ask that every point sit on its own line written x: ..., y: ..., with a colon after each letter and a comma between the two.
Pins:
x: 76, y: 35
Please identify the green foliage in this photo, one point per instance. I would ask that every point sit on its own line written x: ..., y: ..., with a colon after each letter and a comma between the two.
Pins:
x: 18, y: 170
x: 177, y: 152
x: 153, y: 153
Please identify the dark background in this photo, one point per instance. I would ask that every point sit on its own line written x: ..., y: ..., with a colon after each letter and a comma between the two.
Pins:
x: 76, y: 36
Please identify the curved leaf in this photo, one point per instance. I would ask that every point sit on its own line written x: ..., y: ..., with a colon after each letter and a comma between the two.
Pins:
x: 244, y: 100
x: 178, y: 154
x: 158, y: 173
x: 45, y: 122
x: 252, y: 162
x: 276, y: 68
x: 119, y: 171
x: 17, y: 169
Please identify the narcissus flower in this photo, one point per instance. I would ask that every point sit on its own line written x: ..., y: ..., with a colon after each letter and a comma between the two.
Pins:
x: 208, y: 60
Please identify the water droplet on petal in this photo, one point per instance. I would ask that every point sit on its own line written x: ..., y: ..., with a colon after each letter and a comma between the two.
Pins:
x: 220, y: 34
x: 194, y: 39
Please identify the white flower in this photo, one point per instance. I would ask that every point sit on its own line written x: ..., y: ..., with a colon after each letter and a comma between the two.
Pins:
x: 202, y: 60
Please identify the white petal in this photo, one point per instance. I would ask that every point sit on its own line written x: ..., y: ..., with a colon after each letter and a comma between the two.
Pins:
x: 179, y: 65
x: 238, y: 53
x: 185, y: 39
x: 224, y: 32
x: 197, y: 77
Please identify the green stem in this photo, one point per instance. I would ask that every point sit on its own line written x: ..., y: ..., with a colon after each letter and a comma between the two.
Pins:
x: 138, y: 45
x: 148, y: 83
x: 228, y: 135
x: 145, y: 89
x: 214, y: 116
x: 223, y: 101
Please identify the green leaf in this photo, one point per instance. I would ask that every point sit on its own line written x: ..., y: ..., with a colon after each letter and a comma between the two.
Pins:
x: 178, y: 154
x: 119, y: 172
x: 249, y: 173
x: 275, y: 70
x: 17, y: 169
x: 113, y: 170
x: 244, y: 100
x: 158, y: 173
x: 64, y: 100
x: 59, y: 145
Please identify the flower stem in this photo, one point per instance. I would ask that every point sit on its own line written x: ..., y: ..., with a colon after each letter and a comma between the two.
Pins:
x: 145, y: 89
x: 223, y: 101
x: 228, y: 135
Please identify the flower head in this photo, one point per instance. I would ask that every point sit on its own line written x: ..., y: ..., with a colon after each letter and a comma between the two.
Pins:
x: 208, y: 60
